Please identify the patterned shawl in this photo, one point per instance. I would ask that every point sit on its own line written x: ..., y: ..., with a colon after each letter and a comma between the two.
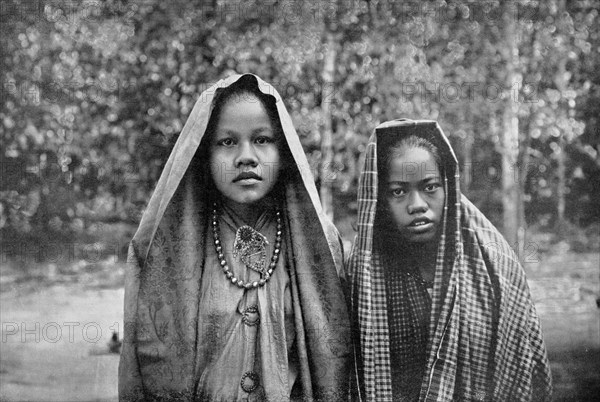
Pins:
x: 484, y: 338
x: 166, y: 263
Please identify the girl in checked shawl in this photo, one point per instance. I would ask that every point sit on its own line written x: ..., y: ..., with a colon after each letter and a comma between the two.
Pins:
x: 233, y: 290
x: 440, y: 302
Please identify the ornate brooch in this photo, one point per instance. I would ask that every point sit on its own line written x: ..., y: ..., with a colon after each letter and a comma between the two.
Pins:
x: 251, y: 246
x: 244, y: 244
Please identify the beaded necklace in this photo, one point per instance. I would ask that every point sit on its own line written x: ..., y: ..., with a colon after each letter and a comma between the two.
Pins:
x: 265, y: 275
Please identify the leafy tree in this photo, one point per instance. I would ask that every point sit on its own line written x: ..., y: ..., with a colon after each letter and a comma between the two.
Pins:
x: 95, y: 94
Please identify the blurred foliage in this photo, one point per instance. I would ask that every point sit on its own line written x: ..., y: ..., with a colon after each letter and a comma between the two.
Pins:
x: 94, y: 95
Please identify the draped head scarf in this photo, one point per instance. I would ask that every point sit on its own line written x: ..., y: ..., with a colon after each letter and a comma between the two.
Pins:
x: 165, y: 266
x: 484, y: 340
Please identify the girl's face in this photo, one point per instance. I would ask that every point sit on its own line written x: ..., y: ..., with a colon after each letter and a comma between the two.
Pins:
x: 244, y: 151
x: 415, y: 194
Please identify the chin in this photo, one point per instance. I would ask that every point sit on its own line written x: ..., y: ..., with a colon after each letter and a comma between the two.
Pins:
x: 246, y: 200
x: 249, y: 199
x: 420, y: 239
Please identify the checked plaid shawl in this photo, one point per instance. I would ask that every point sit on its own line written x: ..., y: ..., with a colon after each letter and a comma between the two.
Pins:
x: 484, y: 337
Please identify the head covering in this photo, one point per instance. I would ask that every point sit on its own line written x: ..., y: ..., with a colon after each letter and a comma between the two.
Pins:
x: 166, y: 263
x: 484, y: 337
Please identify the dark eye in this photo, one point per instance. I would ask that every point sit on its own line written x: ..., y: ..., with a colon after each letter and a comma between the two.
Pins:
x: 397, y: 192
x: 432, y: 187
x: 262, y: 140
x: 226, y: 142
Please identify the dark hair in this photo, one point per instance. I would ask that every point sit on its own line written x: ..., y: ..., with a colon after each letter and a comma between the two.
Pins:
x: 409, y: 142
x: 385, y: 235
x: 246, y: 88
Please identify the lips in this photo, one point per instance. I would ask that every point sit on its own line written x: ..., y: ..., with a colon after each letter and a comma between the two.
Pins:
x: 246, y: 176
x: 420, y: 222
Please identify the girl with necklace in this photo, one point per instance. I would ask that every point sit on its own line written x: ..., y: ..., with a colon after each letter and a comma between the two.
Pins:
x: 440, y: 302
x: 234, y: 290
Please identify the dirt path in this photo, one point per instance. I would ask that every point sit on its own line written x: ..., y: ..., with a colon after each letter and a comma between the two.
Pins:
x: 54, y: 343
x: 565, y: 288
x: 54, y: 337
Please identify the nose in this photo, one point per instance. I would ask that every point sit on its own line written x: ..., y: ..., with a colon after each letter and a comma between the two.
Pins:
x: 246, y: 155
x: 416, y: 203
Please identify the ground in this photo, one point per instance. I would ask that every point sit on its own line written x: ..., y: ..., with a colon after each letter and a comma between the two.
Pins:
x: 55, y: 331
x: 565, y: 288
x: 57, y: 322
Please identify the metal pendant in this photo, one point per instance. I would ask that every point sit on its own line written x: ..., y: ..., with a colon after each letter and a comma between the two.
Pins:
x: 251, y: 246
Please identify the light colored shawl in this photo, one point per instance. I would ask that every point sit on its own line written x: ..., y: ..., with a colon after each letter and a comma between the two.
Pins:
x: 485, y: 341
x: 158, y: 360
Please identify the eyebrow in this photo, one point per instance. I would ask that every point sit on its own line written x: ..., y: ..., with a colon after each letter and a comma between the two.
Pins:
x: 254, y: 132
x: 425, y: 180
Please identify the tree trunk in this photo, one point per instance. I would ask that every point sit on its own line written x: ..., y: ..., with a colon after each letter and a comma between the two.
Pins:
x: 468, y: 161
x: 325, y: 175
x: 467, y: 172
x: 560, y: 150
x: 510, y: 188
x: 523, y: 172
x: 561, y: 182
x: 510, y: 132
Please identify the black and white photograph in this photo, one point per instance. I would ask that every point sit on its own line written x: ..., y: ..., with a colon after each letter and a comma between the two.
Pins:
x: 288, y: 200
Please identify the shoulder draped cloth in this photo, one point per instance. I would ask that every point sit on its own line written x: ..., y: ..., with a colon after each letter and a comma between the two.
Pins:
x: 165, y: 266
x: 484, y: 336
